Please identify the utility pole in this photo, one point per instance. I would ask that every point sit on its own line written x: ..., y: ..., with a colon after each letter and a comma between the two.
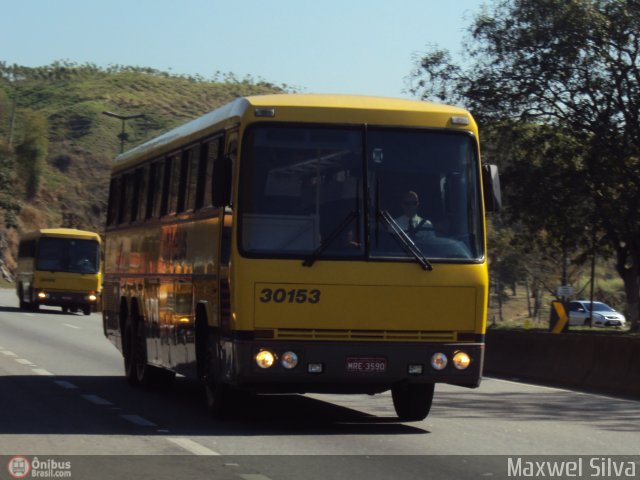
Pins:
x: 123, y: 136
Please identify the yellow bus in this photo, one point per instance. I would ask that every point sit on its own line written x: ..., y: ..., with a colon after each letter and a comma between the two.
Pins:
x: 260, y: 248
x: 59, y: 267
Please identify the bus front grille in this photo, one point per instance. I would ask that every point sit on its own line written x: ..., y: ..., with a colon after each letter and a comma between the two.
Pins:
x: 366, y: 335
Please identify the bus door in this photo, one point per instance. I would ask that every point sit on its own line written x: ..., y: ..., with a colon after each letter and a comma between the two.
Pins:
x: 223, y: 183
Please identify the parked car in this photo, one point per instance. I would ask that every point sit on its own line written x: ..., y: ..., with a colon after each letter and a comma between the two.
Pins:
x: 603, y: 314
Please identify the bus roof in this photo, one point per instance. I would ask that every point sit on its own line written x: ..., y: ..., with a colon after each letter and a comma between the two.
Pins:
x: 62, y: 232
x: 292, y: 107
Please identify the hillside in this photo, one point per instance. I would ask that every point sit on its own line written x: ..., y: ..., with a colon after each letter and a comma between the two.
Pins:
x: 82, y: 141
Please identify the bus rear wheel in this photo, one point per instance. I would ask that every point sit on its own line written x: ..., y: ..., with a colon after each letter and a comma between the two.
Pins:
x: 146, y: 375
x: 412, y: 402
x: 128, y: 352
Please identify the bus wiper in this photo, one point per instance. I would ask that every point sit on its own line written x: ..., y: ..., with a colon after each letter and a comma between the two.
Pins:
x: 405, y: 240
x: 310, y: 260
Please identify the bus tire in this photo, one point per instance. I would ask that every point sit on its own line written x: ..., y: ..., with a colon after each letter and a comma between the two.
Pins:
x: 220, y: 397
x: 86, y: 309
x: 411, y: 401
x: 128, y: 352
x: 147, y: 376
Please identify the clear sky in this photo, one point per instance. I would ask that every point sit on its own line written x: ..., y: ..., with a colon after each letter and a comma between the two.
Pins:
x: 322, y: 46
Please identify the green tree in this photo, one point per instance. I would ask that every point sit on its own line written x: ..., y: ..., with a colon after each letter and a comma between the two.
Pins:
x: 32, y: 151
x: 9, y: 206
x: 573, y: 65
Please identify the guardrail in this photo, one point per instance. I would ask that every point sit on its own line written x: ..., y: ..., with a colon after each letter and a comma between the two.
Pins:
x: 597, y: 362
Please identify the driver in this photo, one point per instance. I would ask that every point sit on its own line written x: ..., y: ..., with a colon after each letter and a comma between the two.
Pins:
x: 413, y: 224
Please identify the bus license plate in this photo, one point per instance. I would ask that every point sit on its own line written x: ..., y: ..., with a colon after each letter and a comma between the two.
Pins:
x: 366, y: 365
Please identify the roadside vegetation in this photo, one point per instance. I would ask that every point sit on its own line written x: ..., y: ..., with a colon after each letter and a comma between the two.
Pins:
x: 56, y: 146
x: 555, y: 86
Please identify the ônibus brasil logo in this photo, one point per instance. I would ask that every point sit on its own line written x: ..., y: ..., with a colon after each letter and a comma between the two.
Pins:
x: 19, y: 467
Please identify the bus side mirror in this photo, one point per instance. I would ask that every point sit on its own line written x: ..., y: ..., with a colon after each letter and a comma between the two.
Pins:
x: 222, y: 169
x: 491, y: 188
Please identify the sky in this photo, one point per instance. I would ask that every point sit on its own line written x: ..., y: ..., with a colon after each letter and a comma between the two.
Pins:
x: 365, y: 47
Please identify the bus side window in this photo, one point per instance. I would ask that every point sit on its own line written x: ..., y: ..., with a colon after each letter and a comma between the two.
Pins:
x: 147, y: 198
x: 222, y: 170
x: 192, y: 184
x: 125, y: 197
x: 156, y: 182
x: 184, y: 181
x: 135, y: 194
x: 174, y: 183
x: 209, y: 151
x: 202, y: 176
x: 140, y: 211
x: 166, y: 184
x: 114, y: 196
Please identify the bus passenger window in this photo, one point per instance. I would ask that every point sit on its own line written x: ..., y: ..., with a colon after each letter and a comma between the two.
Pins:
x: 125, y: 197
x: 151, y: 189
x: 213, y: 152
x: 166, y: 184
x: 142, y: 176
x: 192, y: 184
x: 135, y: 195
x: 156, y: 184
x: 174, y: 184
x: 114, y: 196
x: 183, y: 183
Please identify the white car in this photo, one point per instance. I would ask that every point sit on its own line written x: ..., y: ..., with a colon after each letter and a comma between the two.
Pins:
x: 603, y: 314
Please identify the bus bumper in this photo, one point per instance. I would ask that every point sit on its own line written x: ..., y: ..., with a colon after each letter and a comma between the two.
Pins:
x: 67, y: 299
x: 339, y: 367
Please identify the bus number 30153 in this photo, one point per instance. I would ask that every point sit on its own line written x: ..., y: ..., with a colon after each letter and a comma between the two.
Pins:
x: 280, y: 295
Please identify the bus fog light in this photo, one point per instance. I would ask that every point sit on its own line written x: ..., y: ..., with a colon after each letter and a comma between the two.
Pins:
x: 416, y: 369
x: 42, y: 295
x: 289, y: 360
x: 315, y: 368
x: 92, y: 298
x: 439, y: 361
x: 461, y: 360
x: 265, y: 359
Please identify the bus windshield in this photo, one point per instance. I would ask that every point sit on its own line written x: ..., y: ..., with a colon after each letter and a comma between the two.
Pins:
x: 336, y: 192
x: 68, y: 255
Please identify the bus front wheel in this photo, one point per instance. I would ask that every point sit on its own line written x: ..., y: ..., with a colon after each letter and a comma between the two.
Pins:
x: 412, y: 402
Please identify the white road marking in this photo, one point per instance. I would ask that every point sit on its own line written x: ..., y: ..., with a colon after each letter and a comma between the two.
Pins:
x: 24, y: 361
x: 65, y: 384
x: 193, y: 447
x: 8, y: 353
x: 516, y: 381
x: 95, y: 399
x: 42, y: 371
x: 29, y: 314
x: 70, y: 326
x: 138, y: 420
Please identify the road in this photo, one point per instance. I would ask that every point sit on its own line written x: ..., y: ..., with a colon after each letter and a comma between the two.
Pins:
x: 62, y: 393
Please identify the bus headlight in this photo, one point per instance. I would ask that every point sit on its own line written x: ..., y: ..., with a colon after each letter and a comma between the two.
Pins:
x: 461, y: 360
x: 265, y: 359
x: 42, y: 295
x: 92, y: 298
x: 439, y: 361
x: 289, y: 360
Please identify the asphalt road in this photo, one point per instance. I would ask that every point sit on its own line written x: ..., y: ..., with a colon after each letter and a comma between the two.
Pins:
x: 63, y: 396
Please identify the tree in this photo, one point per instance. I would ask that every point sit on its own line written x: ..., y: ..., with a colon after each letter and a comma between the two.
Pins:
x: 9, y: 206
x: 573, y: 65
x: 32, y: 151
